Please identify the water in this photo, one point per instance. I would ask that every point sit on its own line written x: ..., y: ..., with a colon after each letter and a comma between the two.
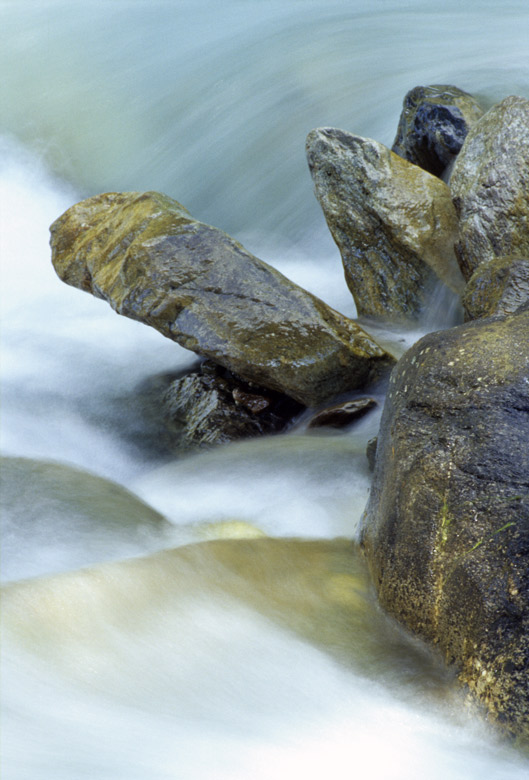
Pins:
x: 263, y: 657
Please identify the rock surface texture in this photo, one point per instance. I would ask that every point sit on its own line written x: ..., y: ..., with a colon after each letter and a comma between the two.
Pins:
x: 446, y: 530
x: 146, y: 255
x: 433, y: 126
x: 394, y: 223
x: 490, y: 186
x: 209, y: 406
x: 499, y: 286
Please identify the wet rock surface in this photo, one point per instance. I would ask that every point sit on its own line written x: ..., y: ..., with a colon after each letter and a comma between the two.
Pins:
x: 146, y: 255
x: 446, y: 530
x: 433, y: 125
x: 210, y: 406
x: 342, y: 415
x: 490, y: 186
x: 394, y: 223
x: 499, y: 286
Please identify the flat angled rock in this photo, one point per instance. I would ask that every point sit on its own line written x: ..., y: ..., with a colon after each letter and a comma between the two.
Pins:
x: 490, y: 186
x: 394, y: 223
x: 433, y: 125
x: 146, y: 255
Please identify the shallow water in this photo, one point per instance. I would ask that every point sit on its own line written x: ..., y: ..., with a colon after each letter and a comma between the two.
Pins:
x: 259, y: 657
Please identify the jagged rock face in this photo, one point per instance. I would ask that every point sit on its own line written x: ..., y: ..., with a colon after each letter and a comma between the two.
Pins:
x: 210, y: 406
x: 446, y: 530
x: 499, y: 286
x: 148, y: 257
x: 433, y: 125
x: 394, y: 223
x: 490, y: 186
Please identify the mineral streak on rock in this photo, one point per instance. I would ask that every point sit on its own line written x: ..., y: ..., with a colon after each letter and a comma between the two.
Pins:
x: 446, y: 530
x: 146, y: 255
x: 433, y: 125
x: 394, y: 223
x: 490, y: 186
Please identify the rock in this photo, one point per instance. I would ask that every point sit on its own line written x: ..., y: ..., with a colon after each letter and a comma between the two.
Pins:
x: 206, y: 599
x: 230, y: 529
x: 499, y: 286
x: 342, y: 415
x: 56, y: 518
x: 490, y: 186
x: 210, y: 406
x: 446, y: 530
x: 153, y: 262
x: 371, y: 452
x: 394, y: 223
x: 433, y: 125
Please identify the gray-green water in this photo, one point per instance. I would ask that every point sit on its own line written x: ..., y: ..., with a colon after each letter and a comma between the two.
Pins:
x: 263, y: 658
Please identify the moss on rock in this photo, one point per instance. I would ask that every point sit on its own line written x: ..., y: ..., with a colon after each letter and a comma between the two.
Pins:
x: 446, y: 530
x: 146, y: 255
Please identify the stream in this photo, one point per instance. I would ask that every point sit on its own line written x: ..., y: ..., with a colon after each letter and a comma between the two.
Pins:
x: 206, y: 617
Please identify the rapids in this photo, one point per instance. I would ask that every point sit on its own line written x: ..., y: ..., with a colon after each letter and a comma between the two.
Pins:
x: 129, y: 650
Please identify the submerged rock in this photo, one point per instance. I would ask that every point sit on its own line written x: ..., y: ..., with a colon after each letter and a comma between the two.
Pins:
x: 490, y: 186
x: 499, y: 286
x: 210, y: 406
x: 433, y: 125
x: 55, y: 517
x: 158, y: 617
x: 146, y: 255
x: 446, y: 530
x: 394, y: 224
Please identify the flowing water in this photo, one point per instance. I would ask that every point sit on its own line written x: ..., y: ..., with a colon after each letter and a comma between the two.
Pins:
x: 129, y: 650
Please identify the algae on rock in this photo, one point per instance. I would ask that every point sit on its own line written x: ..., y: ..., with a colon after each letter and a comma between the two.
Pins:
x: 446, y: 530
x: 394, y: 224
x: 148, y: 257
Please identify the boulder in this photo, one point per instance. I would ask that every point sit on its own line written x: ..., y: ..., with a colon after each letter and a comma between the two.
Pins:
x: 433, y: 125
x: 499, y: 286
x: 394, y: 223
x: 490, y: 186
x: 210, y: 406
x: 146, y: 255
x: 446, y: 529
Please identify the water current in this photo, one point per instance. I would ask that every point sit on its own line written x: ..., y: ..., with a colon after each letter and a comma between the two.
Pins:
x: 206, y: 617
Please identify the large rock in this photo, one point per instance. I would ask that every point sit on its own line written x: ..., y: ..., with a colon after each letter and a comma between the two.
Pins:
x: 446, y: 530
x: 153, y: 262
x: 499, y: 286
x: 394, y: 223
x: 490, y: 186
x: 433, y: 125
